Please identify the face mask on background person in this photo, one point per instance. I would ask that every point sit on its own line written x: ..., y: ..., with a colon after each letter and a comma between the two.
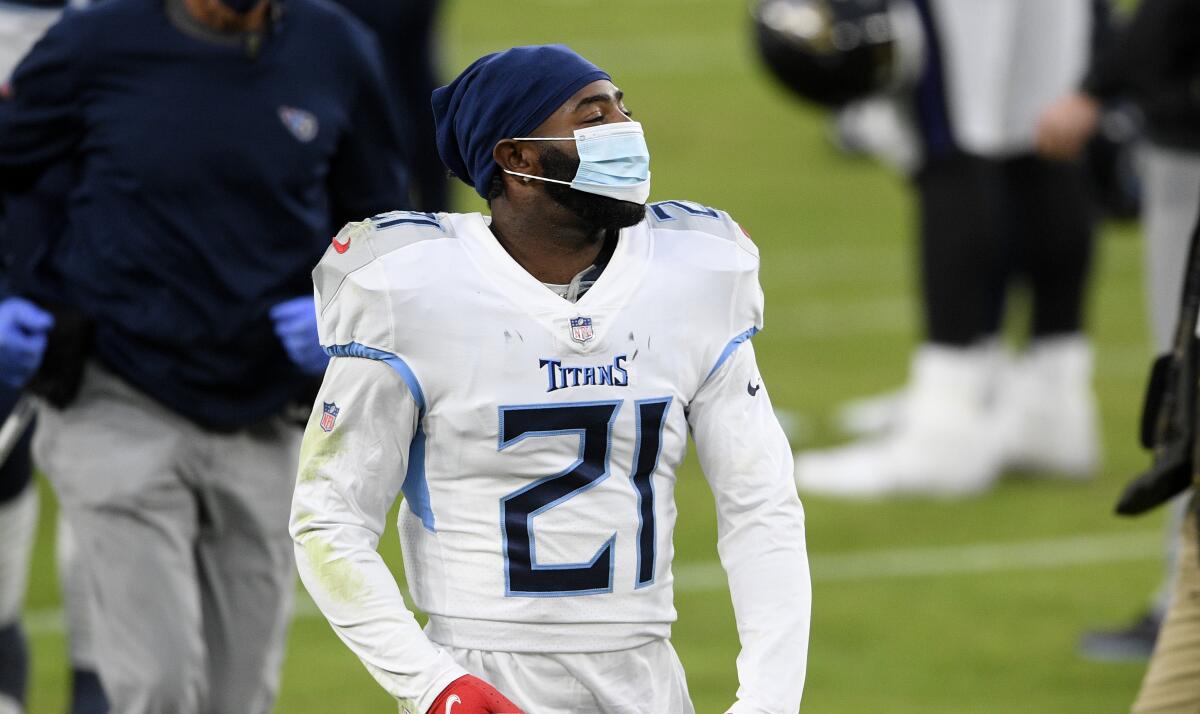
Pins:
x: 613, y: 161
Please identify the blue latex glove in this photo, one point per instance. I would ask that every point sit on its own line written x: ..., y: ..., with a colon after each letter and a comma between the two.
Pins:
x: 296, y: 324
x: 23, y: 331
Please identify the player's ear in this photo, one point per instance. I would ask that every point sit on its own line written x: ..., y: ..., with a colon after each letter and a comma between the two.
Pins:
x: 516, y: 156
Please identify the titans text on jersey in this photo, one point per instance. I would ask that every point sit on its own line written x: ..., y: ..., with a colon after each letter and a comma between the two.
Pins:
x: 561, y: 376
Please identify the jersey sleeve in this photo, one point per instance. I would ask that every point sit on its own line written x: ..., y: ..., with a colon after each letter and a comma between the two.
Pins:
x: 356, y: 295
x: 760, y: 532
x: 744, y: 301
x: 352, y: 466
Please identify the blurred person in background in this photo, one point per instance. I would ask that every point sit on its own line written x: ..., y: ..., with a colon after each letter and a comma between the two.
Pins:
x: 1169, y: 427
x: 405, y: 30
x: 212, y: 159
x: 959, y: 87
x: 22, y: 22
x: 1155, y: 61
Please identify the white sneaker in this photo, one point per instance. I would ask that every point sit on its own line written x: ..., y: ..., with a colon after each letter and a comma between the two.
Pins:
x: 1049, y: 419
x: 880, y: 413
x: 871, y: 416
x: 944, y: 443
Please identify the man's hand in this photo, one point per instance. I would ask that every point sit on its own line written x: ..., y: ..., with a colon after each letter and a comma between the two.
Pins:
x: 23, y: 330
x: 472, y: 695
x: 1066, y: 125
x: 296, y: 324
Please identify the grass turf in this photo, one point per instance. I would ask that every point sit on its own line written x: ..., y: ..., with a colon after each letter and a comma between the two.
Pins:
x: 837, y: 269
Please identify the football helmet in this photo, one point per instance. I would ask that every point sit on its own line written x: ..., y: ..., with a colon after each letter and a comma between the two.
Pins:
x: 836, y: 51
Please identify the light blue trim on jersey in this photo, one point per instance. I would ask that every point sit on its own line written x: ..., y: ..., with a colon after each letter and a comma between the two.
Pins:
x: 354, y: 349
x: 729, y: 348
x: 416, y: 486
x: 637, y: 454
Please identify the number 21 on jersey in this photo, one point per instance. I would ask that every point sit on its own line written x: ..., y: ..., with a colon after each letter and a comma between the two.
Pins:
x: 593, y: 423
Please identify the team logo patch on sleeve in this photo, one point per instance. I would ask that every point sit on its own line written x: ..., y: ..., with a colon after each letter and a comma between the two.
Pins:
x: 581, y: 329
x: 303, y: 124
x: 329, y: 415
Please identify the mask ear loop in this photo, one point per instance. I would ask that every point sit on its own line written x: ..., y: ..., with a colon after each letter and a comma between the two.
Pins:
x: 531, y: 176
x: 539, y: 178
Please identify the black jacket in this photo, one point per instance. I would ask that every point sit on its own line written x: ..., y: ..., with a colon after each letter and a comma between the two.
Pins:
x: 1169, y: 423
x: 1155, y: 60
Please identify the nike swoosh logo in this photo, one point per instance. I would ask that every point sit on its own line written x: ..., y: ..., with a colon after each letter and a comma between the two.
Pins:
x: 341, y: 248
x: 752, y: 389
x: 453, y: 697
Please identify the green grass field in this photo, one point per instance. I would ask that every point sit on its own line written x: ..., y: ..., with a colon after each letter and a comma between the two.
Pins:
x: 906, y: 617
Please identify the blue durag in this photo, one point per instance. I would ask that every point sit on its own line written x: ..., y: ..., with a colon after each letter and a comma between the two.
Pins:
x: 501, y: 96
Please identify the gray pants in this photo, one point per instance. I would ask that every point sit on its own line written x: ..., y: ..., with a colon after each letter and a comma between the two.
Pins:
x: 182, y: 547
x: 1171, y: 179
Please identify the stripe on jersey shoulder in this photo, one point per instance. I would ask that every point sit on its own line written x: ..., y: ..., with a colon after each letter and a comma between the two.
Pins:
x: 355, y: 349
x: 730, y: 348
x: 416, y: 485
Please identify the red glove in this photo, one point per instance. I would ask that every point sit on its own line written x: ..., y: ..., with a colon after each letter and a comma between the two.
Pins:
x: 472, y: 695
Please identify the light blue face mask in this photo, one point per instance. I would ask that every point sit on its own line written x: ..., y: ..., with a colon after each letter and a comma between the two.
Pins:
x: 613, y: 161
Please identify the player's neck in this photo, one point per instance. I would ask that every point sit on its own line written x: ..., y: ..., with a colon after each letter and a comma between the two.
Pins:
x: 552, y: 248
x: 215, y: 15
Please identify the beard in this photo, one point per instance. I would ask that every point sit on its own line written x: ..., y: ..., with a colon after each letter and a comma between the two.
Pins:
x: 593, y: 211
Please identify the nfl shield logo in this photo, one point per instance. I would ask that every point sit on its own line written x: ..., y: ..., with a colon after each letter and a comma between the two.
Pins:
x: 329, y: 416
x: 581, y: 329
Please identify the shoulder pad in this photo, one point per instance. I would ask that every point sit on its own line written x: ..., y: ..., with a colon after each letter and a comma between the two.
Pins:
x: 361, y: 242
x: 691, y: 216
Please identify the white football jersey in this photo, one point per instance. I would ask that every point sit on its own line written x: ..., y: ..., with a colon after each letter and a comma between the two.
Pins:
x: 1004, y: 63
x: 536, y: 441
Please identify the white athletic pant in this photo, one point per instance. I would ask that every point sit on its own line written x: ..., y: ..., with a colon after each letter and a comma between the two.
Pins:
x: 643, y: 680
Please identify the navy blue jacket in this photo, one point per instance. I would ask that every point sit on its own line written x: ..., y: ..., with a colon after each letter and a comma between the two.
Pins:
x: 405, y: 32
x: 208, y: 184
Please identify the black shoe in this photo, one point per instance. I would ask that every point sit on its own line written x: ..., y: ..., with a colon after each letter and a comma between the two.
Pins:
x: 1131, y: 644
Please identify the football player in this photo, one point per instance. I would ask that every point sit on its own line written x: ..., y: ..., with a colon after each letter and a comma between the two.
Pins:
x: 527, y: 381
x: 961, y: 85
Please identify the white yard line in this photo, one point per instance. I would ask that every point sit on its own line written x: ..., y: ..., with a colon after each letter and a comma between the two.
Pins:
x: 867, y: 565
x: 954, y: 560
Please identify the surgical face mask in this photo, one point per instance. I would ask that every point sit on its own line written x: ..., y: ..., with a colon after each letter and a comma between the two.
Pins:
x: 613, y: 161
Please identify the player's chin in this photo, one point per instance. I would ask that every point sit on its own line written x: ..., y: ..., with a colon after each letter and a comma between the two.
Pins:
x: 606, y: 213
x: 598, y: 212
x: 617, y: 214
